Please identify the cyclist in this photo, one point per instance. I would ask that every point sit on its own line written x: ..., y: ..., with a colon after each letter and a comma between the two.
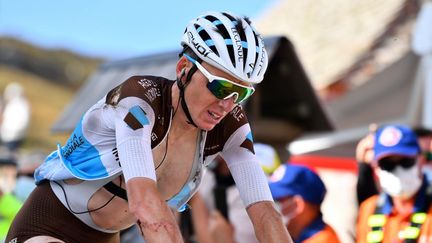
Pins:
x: 140, y: 150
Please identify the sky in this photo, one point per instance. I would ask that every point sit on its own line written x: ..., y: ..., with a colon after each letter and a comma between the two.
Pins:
x: 111, y: 29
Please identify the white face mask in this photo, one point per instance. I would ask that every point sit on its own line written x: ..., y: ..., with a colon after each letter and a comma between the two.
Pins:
x: 24, y: 186
x: 287, y: 216
x: 400, y: 182
x: 7, y: 179
x: 7, y: 184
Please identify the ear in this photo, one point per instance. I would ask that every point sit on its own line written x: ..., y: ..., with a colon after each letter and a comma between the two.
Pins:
x: 182, y: 65
x: 300, y: 204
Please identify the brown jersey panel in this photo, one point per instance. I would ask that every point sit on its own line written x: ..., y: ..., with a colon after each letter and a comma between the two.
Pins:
x: 217, y: 137
x: 155, y: 91
x: 132, y: 122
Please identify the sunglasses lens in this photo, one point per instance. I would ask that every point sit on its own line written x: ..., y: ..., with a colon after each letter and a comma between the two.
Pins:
x: 386, y: 165
x: 407, y: 163
x: 223, y: 88
x: 390, y: 164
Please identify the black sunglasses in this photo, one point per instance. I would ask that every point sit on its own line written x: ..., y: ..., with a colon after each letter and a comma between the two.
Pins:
x: 390, y: 163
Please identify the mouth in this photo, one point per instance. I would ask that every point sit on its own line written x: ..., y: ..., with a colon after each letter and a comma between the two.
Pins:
x: 214, y: 116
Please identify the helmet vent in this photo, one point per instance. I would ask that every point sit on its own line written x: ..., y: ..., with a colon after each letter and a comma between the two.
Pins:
x: 229, y: 16
x: 222, y: 30
x: 256, y: 51
x: 206, y: 38
x: 240, y: 29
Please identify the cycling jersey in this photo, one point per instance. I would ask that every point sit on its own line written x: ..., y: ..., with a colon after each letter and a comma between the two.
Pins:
x: 138, y: 113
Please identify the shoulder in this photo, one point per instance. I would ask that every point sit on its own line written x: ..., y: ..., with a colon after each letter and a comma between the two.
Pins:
x: 150, y: 94
x: 235, y: 123
x: 147, y: 88
x: 232, y: 121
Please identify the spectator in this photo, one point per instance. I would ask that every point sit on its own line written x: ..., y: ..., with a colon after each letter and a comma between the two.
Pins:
x: 27, y: 164
x: 15, y: 117
x: 367, y: 184
x: 402, y: 212
x: 300, y: 192
x: 425, y: 141
x: 9, y: 204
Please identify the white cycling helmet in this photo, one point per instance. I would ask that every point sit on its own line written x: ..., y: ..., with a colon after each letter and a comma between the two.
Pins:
x: 229, y: 43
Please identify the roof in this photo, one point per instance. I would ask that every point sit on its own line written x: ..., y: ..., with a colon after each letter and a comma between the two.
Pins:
x: 332, y: 35
x: 384, y: 83
x: 285, y: 100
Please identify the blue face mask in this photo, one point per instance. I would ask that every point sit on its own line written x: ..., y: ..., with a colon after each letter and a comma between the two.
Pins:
x: 24, y: 186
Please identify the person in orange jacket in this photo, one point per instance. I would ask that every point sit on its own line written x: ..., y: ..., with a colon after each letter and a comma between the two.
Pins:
x: 403, y: 210
x: 300, y: 192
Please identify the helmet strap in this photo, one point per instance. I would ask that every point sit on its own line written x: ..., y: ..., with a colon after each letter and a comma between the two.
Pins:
x: 182, y: 88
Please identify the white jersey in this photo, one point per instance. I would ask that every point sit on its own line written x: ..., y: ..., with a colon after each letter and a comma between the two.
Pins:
x: 138, y: 113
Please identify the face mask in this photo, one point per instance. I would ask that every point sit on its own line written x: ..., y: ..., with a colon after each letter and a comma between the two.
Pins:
x: 287, y: 216
x: 400, y: 182
x: 7, y: 184
x: 24, y: 186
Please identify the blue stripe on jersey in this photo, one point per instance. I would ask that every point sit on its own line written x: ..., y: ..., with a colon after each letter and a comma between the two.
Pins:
x: 81, y: 157
x: 244, y: 44
x: 178, y: 200
x: 139, y: 114
x: 249, y: 136
x: 228, y: 41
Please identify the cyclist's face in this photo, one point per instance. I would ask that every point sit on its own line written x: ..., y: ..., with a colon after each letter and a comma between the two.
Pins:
x: 205, y: 108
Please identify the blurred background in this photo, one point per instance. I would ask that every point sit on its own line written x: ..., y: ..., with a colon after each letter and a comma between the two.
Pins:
x: 51, y: 48
x: 335, y: 68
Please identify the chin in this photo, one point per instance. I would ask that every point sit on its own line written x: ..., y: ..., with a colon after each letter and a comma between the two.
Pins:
x: 206, y: 127
x: 207, y: 123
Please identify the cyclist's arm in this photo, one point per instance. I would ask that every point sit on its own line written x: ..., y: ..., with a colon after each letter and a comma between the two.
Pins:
x: 133, y: 131
x: 253, y: 187
x: 155, y: 219
x: 267, y: 223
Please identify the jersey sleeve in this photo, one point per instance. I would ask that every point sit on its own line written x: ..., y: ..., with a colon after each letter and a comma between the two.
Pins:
x: 240, y: 157
x: 134, y: 121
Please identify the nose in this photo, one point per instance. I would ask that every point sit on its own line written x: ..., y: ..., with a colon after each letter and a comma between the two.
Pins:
x: 227, y: 104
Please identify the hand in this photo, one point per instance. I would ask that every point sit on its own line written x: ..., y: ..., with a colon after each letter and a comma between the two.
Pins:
x: 220, y: 229
x: 364, y: 149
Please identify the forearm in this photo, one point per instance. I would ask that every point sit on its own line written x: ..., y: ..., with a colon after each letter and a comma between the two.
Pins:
x: 268, y: 223
x: 155, y: 219
x: 200, y: 219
